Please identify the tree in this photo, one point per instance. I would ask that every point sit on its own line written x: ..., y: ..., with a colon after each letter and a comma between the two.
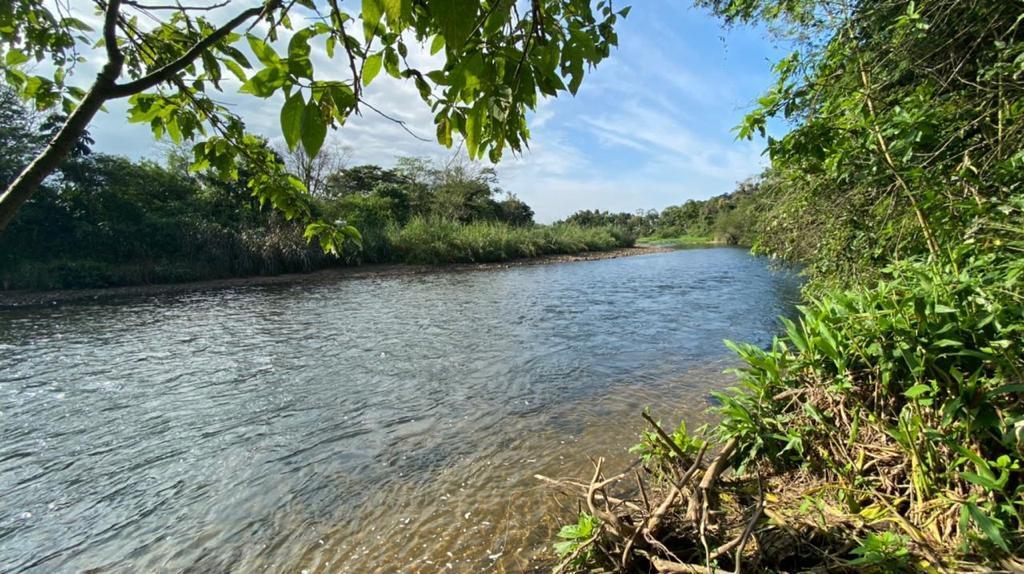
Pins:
x: 497, y: 60
x: 362, y: 179
x: 316, y: 171
x: 515, y: 211
x: 906, y: 126
x: 18, y: 136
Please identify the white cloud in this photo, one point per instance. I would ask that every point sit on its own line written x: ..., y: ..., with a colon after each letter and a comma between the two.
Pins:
x: 648, y: 128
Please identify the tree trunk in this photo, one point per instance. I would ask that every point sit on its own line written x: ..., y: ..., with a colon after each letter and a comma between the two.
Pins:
x: 21, y: 189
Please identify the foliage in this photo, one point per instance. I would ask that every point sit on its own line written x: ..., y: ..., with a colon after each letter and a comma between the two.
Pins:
x: 111, y: 221
x: 495, y: 61
x: 889, y: 416
x: 434, y: 241
x: 655, y: 453
x: 638, y: 224
x: 907, y: 126
x: 883, y: 552
x: 732, y: 218
x: 573, y: 536
x: 925, y: 364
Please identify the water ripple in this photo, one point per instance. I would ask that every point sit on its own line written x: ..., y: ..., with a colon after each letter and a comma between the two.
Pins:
x: 363, y: 425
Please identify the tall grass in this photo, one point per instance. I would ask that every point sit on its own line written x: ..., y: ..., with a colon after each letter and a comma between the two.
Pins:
x: 210, y: 251
x: 191, y: 252
x: 433, y: 241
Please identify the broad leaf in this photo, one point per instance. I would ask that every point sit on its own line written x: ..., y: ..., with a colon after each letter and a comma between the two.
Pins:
x: 314, y: 129
x: 292, y: 114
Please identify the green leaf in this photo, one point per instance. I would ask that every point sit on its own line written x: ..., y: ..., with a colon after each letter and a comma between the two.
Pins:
x: 916, y: 391
x: 565, y: 547
x: 437, y: 44
x: 314, y: 129
x: 473, y: 131
x: 263, y: 51
x: 265, y: 82
x: 391, y: 63
x: 980, y: 480
x: 498, y: 17
x: 989, y: 526
x: 301, y: 68
x: 236, y: 70
x: 15, y: 57
x: 292, y: 114
x: 396, y: 11
x: 371, y: 67
x: 456, y: 18
x: 1005, y: 389
x: 344, y: 100
x: 372, y: 11
x: 298, y: 46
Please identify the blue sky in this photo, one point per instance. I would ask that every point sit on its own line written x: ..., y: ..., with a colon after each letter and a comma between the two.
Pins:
x: 651, y: 127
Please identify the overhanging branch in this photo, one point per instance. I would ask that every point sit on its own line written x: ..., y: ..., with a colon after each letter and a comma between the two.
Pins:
x: 166, y: 73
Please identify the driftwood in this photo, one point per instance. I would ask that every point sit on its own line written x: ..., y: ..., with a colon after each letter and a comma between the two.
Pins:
x: 640, y: 535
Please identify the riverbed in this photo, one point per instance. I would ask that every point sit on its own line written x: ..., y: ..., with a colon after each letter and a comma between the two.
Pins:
x: 359, y: 424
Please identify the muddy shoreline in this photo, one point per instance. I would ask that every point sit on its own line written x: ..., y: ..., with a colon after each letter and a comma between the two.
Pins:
x: 23, y: 298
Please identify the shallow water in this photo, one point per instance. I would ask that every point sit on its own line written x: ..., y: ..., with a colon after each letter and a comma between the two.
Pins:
x: 361, y: 425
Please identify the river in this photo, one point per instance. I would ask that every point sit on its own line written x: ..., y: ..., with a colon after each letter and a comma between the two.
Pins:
x: 376, y: 424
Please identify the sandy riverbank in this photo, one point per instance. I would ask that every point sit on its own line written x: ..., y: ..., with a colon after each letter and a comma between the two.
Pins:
x: 19, y: 298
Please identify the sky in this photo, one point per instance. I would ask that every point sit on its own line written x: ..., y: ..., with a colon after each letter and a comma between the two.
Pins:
x: 650, y: 127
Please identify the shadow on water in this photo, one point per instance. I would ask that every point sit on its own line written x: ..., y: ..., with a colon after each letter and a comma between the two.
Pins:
x: 365, y: 425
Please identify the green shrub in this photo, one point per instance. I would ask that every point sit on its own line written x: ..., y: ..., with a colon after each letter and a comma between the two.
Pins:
x: 925, y: 365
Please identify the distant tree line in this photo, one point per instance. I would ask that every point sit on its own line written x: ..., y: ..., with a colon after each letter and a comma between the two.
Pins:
x: 107, y: 220
x: 732, y: 218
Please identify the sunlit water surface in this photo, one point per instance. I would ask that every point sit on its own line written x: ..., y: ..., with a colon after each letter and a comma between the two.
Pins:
x: 351, y: 425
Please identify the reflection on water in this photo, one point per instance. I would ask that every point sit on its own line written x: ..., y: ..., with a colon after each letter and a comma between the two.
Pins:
x: 363, y: 425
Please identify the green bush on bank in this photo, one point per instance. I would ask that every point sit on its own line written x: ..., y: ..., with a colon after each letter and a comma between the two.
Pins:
x: 904, y: 397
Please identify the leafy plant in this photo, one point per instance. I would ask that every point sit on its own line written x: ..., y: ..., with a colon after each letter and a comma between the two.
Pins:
x: 168, y: 72
x: 882, y: 552
x: 654, y: 452
x: 573, y: 536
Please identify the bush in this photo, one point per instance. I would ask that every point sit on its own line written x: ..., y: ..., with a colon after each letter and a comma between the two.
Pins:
x: 909, y: 390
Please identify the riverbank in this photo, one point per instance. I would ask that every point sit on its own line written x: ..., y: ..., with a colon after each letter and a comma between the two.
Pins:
x: 22, y: 298
x: 853, y: 441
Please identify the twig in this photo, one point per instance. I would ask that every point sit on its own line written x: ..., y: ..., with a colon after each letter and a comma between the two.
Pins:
x: 751, y: 524
x: 664, y: 436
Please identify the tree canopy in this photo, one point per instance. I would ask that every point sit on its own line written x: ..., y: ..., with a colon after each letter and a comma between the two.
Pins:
x: 492, y: 60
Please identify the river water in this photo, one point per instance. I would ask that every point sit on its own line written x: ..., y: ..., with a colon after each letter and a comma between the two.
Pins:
x: 380, y: 424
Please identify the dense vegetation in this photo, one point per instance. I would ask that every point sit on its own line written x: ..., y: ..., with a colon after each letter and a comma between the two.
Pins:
x: 731, y: 219
x: 107, y: 220
x: 884, y: 430
x: 492, y: 61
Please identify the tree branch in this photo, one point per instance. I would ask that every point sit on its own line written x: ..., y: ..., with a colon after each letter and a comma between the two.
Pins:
x: 24, y: 186
x: 167, y: 72
x: 114, y: 55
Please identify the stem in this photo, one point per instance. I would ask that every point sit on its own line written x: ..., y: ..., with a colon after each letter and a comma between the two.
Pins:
x: 933, y: 246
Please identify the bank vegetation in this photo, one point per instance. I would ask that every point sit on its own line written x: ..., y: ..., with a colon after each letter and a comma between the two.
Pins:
x: 883, y: 429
